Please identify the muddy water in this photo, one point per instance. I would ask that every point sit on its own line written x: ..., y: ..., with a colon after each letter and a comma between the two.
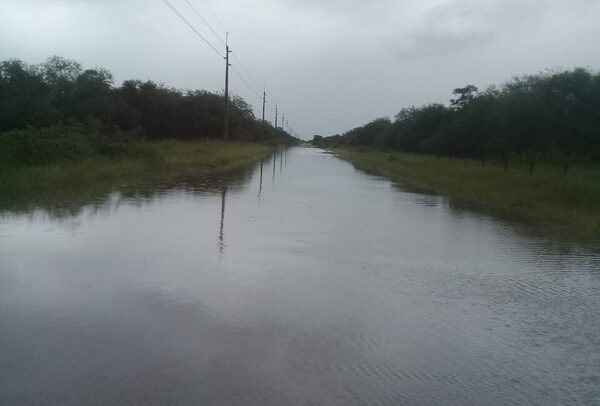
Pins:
x: 300, y: 281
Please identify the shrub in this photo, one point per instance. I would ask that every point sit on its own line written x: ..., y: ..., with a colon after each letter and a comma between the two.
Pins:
x: 68, y: 142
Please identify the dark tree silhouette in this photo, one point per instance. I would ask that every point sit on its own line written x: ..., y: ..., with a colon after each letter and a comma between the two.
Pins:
x: 60, y: 91
x: 553, y: 116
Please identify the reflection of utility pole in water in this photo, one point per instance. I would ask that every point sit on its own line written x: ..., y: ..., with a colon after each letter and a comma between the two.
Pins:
x: 261, y: 172
x: 280, y: 162
x: 274, y: 158
x: 221, y: 241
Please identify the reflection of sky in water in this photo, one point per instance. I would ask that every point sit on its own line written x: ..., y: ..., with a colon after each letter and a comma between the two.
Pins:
x: 318, y: 285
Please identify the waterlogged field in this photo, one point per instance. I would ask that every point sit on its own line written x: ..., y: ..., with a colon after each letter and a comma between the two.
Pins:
x: 94, y: 175
x: 298, y: 281
x: 564, y: 204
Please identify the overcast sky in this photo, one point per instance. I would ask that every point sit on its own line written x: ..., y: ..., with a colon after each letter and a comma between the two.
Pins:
x: 330, y: 65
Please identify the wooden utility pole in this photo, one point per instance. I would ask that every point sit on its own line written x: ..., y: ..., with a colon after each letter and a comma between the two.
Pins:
x: 282, y: 121
x: 276, y: 113
x: 263, y: 125
x: 264, y: 103
x: 227, y: 65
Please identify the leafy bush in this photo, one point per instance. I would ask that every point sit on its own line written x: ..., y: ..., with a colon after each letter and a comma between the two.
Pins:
x: 119, y: 144
x: 68, y: 142
x: 61, y: 90
x: 551, y: 116
x: 46, y: 145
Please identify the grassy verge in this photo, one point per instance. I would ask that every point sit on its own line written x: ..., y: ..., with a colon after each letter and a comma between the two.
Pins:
x: 25, y: 185
x: 566, y: 205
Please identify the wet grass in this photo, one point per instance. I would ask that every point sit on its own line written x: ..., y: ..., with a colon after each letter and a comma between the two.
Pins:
x: 566, y: 205
x: 161, y: 160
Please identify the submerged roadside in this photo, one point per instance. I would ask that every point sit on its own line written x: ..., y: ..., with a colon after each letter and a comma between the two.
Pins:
x: 564, y: 205
x: 25, y: 185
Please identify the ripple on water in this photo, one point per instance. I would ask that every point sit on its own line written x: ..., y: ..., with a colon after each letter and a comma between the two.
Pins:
x: 334, y: 288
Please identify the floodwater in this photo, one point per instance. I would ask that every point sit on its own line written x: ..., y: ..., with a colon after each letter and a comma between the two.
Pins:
x: 313, y: 284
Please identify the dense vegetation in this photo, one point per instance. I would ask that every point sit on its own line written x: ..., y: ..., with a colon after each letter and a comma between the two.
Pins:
x: 57, y: 111
x: 147, y: 164
x: 68, y: 142
x: 548, y: 117
x: 565, y: 205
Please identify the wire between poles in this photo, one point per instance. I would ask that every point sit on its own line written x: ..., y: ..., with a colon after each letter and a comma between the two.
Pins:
x: 192, y: 27
x: 205, y: 22
x: 246, y: 71
x: 215, y: 14
x: 249, y: 76
x: 246, y: 82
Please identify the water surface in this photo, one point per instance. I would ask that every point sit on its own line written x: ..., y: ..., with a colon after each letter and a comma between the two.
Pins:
x: 313, y: 284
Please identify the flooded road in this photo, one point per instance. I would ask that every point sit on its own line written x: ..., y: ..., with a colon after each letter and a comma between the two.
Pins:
x: 313, y: 284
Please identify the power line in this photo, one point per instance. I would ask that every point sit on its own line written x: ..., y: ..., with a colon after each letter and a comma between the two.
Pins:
x: 192, y: 27
x: 239, y: 61
x: 248, y: 79
x: 246, y: 82
x: 246, y: 71
x: 250, y: 76
x: 205, y: 22
x: 244, y: 79
x: 215, y: 14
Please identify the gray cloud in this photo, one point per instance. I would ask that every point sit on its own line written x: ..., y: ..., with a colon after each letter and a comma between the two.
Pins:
x: 458, y: 25
x: 336, y: 6
x: 330, y: 65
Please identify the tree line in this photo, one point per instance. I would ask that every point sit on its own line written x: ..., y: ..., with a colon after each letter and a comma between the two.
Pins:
x: 546, y: 116
x: 60, y: 91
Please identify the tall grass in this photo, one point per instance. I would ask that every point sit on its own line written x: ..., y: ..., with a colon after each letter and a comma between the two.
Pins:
x: 201, y: 156
x: 566, y: 204
x: 114, y: 164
